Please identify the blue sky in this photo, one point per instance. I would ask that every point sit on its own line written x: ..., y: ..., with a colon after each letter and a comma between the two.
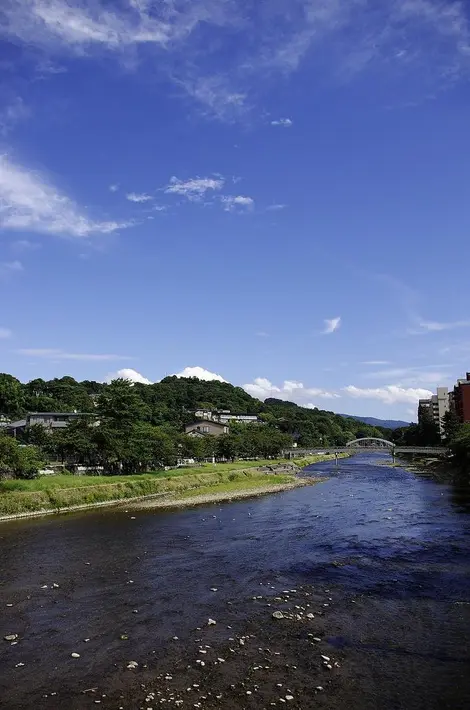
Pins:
x: 276, y: 193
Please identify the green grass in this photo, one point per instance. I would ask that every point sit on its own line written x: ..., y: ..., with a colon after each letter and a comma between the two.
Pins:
x: 47, y: 483
x: 65, y: 491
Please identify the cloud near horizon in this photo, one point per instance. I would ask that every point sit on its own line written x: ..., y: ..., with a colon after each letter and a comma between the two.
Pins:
x: 389, y: 394
x: 129, y: 374
x: 262, y: 388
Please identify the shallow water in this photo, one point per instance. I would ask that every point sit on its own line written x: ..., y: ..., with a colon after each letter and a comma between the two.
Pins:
x: 396, y: 537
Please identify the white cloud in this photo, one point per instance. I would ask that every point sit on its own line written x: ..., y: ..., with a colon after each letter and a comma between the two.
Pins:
x: 113, y: 188
x: 57, y: 354
x: 8, y: 268
x: 195, y: 188
x: 275, y: 207
x: 5, y: 333
x: 426, y: 41
x: 424, y: 326
x: 331, y: 325
x: 200, y: 373
x: 283, y: 122
x: 138, y: 197
x: 411, y: 376
x: 29, y: 203
x: 390, y: 394
x: 216, y: 94
x: 262, y: 388
x: 239, y: 202
x: 128, y: 374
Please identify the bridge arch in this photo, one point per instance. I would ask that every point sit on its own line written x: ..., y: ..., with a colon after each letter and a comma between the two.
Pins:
x: 358, y: 443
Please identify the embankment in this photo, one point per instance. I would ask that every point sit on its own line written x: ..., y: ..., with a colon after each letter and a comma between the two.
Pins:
x: 167, y: 490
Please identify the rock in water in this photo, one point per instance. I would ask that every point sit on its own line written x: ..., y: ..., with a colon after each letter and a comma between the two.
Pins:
x: 278, y: 615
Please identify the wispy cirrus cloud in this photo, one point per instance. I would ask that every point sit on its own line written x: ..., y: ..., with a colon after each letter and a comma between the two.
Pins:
x: 282, y: 122
x: 138, y: 197
x: 29, y: 202
x: 423, y: 327
x: 238, y: 203
x: 194, y: 189
x: 331, y: 325
x: 425, y: 41
x: 58, y: 354
x: 277, y: 207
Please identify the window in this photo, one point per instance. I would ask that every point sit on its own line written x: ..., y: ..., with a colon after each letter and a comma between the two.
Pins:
x: 205, y: 429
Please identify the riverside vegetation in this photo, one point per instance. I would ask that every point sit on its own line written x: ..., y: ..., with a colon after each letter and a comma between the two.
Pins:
x: 128, y: 430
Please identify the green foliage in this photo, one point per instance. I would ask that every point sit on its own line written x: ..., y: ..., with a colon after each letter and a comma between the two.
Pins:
x: 18, y: 460
x: 460, y: 447
x: 136, y: 427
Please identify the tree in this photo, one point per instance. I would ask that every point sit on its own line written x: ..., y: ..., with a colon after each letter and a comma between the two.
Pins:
x: 120, y: 406
x: 19, y: 460
x: 450, y: 426
x: 11, y: 396
x: 428, y: 433
x: 460, y: 447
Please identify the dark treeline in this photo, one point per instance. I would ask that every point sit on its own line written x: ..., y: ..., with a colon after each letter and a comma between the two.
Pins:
x: 135, y: 427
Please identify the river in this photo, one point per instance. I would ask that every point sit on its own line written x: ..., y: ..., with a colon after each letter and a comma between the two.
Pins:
x: 379, y: 556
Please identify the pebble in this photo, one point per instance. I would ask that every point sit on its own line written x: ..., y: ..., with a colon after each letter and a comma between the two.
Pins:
x: 55, y: 586
x: 325, y: 658
x: 211, y: 622
x: 9, y: 604
x: 132, y: 665
x: 11, y: 637
x: 289, y: 697
x: 278, y: 615
x: 75, y: 655
x: 19, y: 665
x: 213, y: 589
x: 319, y: 688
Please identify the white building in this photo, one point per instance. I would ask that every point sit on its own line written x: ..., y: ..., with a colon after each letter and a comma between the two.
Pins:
x: 437, y: 405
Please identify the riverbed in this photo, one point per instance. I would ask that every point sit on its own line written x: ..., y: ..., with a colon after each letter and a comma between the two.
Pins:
x: 370, y: 570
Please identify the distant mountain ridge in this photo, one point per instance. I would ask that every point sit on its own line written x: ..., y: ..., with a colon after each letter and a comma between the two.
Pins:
x: 372, y: 421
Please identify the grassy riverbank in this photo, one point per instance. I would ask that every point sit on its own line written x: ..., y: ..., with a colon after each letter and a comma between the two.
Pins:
x: 59, y: 493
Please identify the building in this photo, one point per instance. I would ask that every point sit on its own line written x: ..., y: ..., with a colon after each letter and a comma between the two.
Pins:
x: 242, y: 418
x: 49, y: 420
x: 205, y: 427
x: 224, y: 416
x: 436, y: 406
x: 460, y: 399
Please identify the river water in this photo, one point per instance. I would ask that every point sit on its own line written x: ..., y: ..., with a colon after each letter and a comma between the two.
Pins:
x: 388, y: 549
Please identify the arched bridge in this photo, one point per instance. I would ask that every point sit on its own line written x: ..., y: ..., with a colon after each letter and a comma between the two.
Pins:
x: 369, y: 444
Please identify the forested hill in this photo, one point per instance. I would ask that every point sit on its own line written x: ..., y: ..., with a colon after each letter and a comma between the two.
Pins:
x: 172, y: 402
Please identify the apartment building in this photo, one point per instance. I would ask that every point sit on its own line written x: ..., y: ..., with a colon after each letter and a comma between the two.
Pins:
x: 460, y: 399
x: 436, y: 406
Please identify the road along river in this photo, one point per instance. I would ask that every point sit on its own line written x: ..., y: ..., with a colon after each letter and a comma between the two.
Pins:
x: 369, y: 573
